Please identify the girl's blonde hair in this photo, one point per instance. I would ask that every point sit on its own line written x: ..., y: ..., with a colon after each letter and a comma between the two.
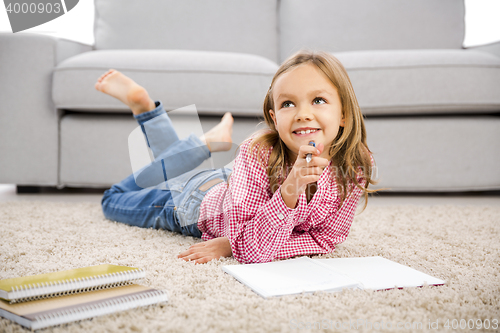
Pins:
x: 348, y: 152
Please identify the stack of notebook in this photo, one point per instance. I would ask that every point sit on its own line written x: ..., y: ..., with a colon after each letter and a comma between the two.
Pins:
x: 40, y: 301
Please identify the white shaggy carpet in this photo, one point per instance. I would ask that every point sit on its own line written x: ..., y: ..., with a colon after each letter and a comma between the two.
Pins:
x: 455, y: 243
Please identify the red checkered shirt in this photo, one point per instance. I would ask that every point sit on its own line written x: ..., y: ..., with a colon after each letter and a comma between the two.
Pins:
x: 261, y: 227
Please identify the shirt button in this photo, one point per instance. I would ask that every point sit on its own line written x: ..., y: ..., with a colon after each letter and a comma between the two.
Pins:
x: 281, y: 216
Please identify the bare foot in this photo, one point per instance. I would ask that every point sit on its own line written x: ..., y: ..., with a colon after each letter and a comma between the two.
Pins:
x: 126, y: 90
x: 219, y: 137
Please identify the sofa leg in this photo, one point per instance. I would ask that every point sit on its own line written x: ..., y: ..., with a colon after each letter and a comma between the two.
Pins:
x: 28, y: 189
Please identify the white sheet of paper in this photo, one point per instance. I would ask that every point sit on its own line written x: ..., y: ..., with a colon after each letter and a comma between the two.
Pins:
x: 379, y: 273
x: 289, y: 277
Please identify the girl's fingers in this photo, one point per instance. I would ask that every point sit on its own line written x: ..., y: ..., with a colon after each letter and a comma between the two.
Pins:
x: 188, y: 252
x: 311, y: 178
x: 320, y: 147
x: 308, y: 171
x: 193, y: 256
x: 316, y: 162
x: 305, y: 150
x: 191, y: 248
x: 195, y: 252
x: 183, y: 254
x: 203, y: 260
x: 198, y: 258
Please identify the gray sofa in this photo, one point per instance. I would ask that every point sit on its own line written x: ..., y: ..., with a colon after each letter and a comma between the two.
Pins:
x: 432, y: 107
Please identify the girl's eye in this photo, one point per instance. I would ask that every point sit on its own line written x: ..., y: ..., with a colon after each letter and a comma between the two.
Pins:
x: 286, y: 104
x: 319, y: 99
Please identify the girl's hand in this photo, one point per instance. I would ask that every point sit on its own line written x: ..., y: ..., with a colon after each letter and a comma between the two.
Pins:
x: 303, y: 173
x: 205, y: 251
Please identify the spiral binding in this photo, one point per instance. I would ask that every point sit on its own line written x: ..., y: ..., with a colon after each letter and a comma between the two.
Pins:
x: 106, y: 307
x: 73, y: 286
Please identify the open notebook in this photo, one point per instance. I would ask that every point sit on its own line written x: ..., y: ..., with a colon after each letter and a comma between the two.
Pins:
x: 304, y: 274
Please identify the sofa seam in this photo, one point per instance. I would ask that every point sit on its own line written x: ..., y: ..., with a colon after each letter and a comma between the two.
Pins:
x: 444, y: 189
x: 271, y: 74
x: 164, y: 71
x: 445, y: 104
x: 166, y: 107
x: 430, y: 110
x: 420, y: 66
x: 396, y: 106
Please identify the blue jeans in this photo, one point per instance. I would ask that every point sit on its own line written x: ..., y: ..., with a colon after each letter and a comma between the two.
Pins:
x: 170, y: 191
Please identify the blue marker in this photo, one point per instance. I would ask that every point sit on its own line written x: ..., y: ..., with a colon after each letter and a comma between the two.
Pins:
x: 309, y: 156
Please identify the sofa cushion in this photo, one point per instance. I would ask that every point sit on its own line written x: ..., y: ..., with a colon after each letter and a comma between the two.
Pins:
x: 424, y: 81
x: 354, y: 25
x: 210, y: 25
x: 216, y: 82
x: 441, y: 153
x: 94, y: 150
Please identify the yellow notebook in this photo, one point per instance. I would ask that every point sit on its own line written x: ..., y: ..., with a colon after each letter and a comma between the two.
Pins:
x: 55, y: 311
x: 68, y: 282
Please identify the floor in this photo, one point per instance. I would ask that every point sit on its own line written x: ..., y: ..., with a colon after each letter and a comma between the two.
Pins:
x: 8, y: 193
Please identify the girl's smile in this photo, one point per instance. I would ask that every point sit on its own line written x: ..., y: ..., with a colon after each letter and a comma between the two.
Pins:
x: 306, y: 132
x: 307, y: 107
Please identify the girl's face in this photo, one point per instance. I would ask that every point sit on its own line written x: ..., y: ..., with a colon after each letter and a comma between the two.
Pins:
x: 305, y: 99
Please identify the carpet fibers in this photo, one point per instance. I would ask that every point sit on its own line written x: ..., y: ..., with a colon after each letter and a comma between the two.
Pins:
x: 459, y: 244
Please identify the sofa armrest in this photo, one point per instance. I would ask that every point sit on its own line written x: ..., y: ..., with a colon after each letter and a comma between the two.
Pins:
x: 493, y: 48
x: 29, y: 121
x: 67, y: 48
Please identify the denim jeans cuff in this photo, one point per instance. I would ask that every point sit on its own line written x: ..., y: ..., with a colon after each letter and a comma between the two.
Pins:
x: 145, y: 116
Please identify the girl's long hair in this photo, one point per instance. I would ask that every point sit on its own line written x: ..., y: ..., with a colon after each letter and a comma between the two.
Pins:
x: 348, y: 152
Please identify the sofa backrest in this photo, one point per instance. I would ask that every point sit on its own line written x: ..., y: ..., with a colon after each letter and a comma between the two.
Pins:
x: 208, y: 25
x: 277, y: 28
x: 354, y: 25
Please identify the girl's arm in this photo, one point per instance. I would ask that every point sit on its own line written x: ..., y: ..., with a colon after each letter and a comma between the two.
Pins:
x: 324, y: 235
x: 258, y: 223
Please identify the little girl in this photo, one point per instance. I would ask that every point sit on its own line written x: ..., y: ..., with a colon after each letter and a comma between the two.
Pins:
x: 276, y: 204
